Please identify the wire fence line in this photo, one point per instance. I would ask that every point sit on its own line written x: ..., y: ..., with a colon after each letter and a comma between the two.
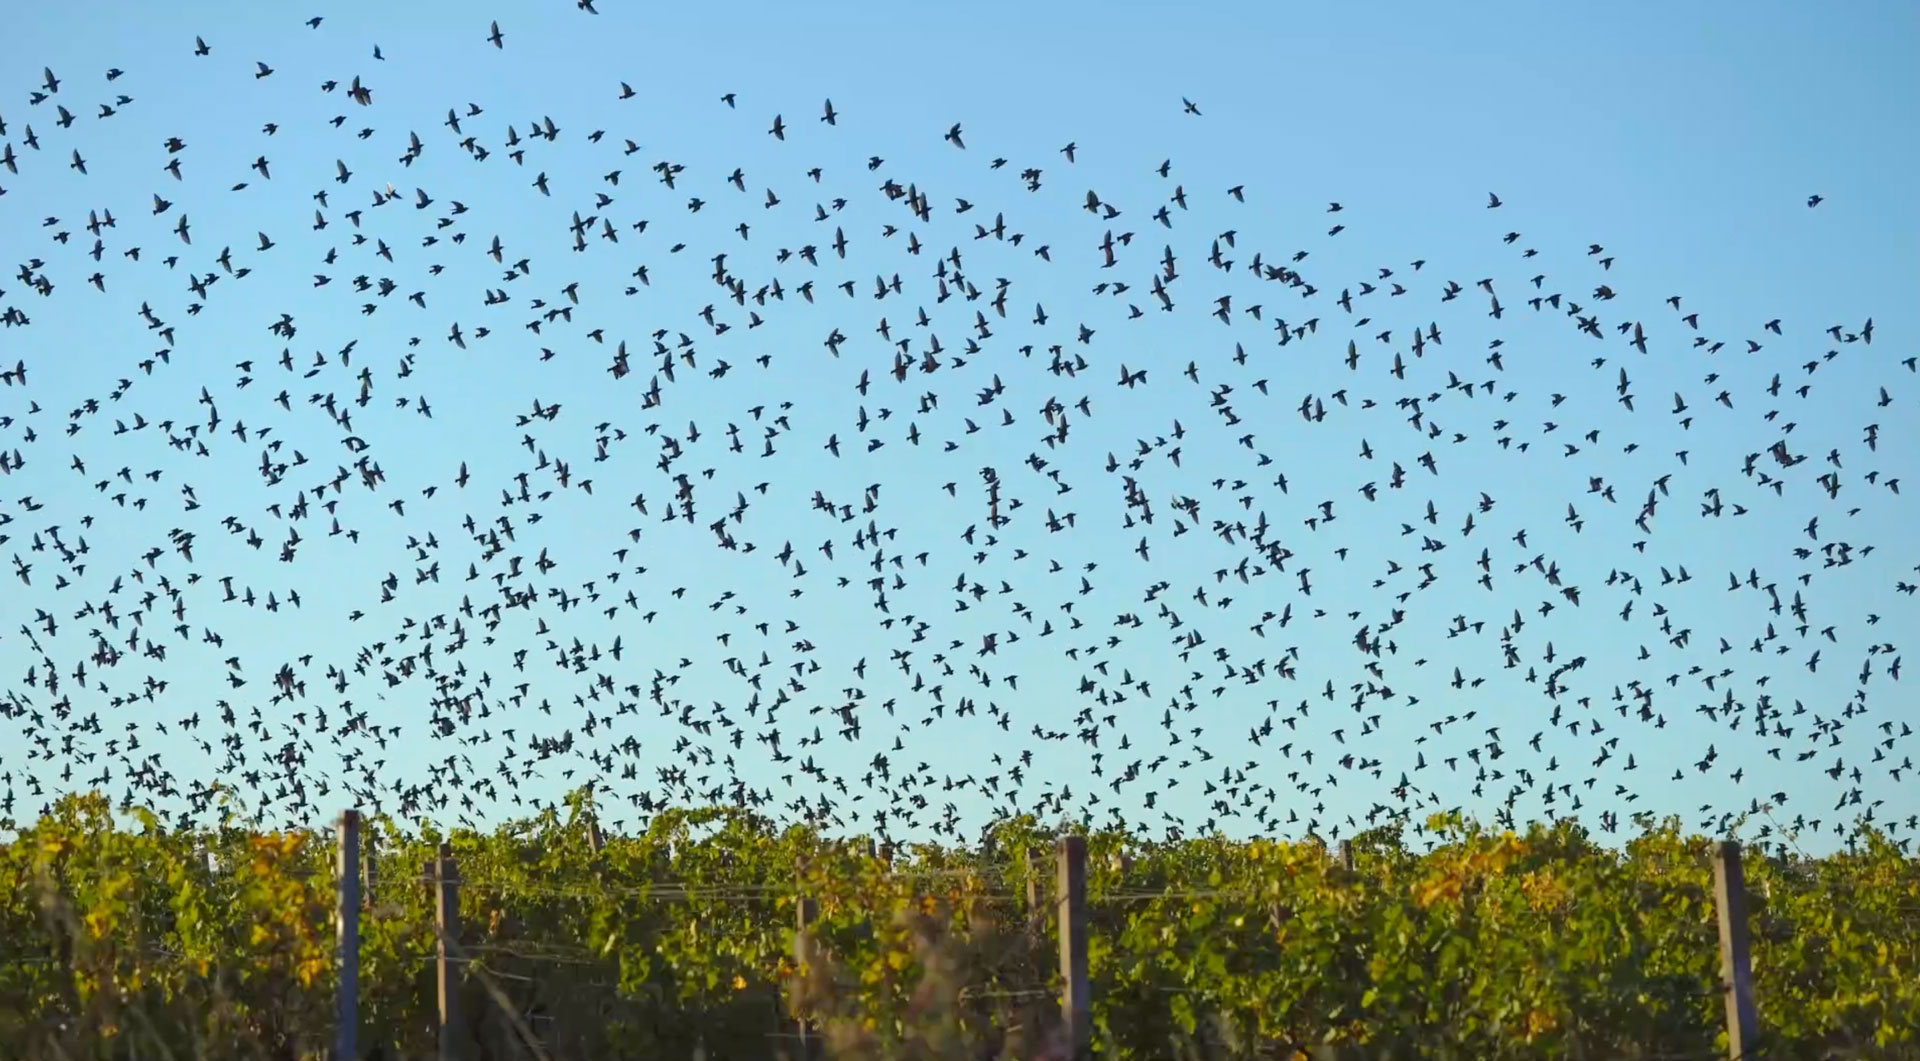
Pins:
x: 1070, y: 928
x: 488, y: 965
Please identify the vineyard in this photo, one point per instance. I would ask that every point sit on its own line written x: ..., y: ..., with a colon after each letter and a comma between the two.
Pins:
x: 127, y: 940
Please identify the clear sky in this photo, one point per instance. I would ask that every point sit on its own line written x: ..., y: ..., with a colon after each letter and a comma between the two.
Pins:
x: 1659, y: 151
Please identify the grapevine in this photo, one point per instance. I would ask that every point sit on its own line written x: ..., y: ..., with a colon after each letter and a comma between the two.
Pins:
x: 1441, y: 939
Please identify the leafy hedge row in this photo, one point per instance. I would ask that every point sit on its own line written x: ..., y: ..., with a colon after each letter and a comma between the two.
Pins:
x: 119, y: 938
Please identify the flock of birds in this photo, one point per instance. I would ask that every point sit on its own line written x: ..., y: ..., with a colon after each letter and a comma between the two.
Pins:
x: 933, y: 552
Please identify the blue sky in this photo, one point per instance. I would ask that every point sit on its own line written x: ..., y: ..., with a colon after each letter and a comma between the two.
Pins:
x: 1684, y: 143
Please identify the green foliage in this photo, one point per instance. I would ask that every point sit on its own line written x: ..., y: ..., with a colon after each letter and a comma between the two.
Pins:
x: 124, y: 939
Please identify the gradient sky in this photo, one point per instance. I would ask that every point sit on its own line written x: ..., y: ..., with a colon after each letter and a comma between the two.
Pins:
x: 1683, y: 141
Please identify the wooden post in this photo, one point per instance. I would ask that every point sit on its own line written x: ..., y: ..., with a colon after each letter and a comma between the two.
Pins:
x: 804, y: 913
x: 1736, y: 967
x: 446, y: 924
x: 1346, y: 855
x: 596, y: 842
x: 346, y: 1020
x: 1076, y: 996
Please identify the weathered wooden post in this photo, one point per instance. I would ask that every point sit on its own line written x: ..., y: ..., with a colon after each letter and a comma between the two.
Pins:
x: 1736, y: 967
x: 346, y: 1018
x: 805, y: 911
x: 445, y: 875
x: 1346, y: 855
x: 1076, y: 996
